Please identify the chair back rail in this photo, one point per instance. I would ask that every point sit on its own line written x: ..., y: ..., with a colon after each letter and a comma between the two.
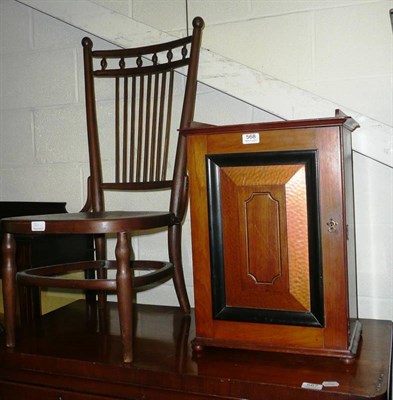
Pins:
x: 143, y: 85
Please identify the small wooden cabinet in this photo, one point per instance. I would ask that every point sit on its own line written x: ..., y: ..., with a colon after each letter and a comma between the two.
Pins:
x: 273, y: 236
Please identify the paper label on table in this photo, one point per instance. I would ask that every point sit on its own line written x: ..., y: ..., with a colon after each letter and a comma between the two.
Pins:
x: 249, y: 138
x: 330, y: 384
x: 312, y: 386
x: 38, y: 226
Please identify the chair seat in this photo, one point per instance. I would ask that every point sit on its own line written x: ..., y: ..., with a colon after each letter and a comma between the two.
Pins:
x: 87, y: 222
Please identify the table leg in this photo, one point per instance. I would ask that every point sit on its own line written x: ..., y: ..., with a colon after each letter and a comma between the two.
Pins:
x: 9, y: 288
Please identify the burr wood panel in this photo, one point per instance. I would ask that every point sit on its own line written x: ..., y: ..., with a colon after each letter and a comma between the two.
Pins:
x: 258, y: 211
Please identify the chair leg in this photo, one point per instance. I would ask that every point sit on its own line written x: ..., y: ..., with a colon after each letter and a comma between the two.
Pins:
x: 124, y: 294
x: 175, y: 256
x: 100, y: 244
x: 182, y: 340
x: 29, y: 303
x: 90, y: 295
x: 9, y: 288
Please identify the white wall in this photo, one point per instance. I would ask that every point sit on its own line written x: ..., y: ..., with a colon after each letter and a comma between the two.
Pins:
x: 42, y: 134
x: 43, y: 147
x: 340, y: 50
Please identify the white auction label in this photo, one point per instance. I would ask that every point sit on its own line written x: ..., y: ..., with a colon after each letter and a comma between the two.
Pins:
x: 312, y: 386
x: 249, y: 138
x: 38, y: 226
x: 330, y: 384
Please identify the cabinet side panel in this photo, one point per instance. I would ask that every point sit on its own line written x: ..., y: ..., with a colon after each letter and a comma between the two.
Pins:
x: 196, y: 150
x: 333, y: 234
x: 350, y: 222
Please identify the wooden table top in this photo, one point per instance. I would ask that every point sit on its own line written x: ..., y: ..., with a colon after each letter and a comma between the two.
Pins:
x: 67, y: 348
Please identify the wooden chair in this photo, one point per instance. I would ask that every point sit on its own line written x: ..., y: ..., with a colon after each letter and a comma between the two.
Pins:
x: 143, y: 82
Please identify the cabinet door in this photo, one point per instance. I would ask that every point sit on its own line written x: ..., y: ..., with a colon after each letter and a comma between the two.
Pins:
x: 265, y: 237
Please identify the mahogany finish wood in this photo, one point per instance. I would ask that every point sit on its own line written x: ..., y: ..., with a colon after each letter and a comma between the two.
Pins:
x: 39, y: 250
x: 70, y: 355
x: 273, y: 236
x: 142, y: 81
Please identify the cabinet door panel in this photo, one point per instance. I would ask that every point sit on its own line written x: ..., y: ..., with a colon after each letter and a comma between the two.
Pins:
x: 264, y: 247
x: 266, y: 250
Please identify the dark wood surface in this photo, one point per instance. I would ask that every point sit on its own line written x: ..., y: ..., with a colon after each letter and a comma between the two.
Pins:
x: 38, y: 250
x: 66, y: 356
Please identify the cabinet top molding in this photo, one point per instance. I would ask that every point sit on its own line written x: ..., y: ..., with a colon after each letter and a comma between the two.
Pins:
x: 339, y: 119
